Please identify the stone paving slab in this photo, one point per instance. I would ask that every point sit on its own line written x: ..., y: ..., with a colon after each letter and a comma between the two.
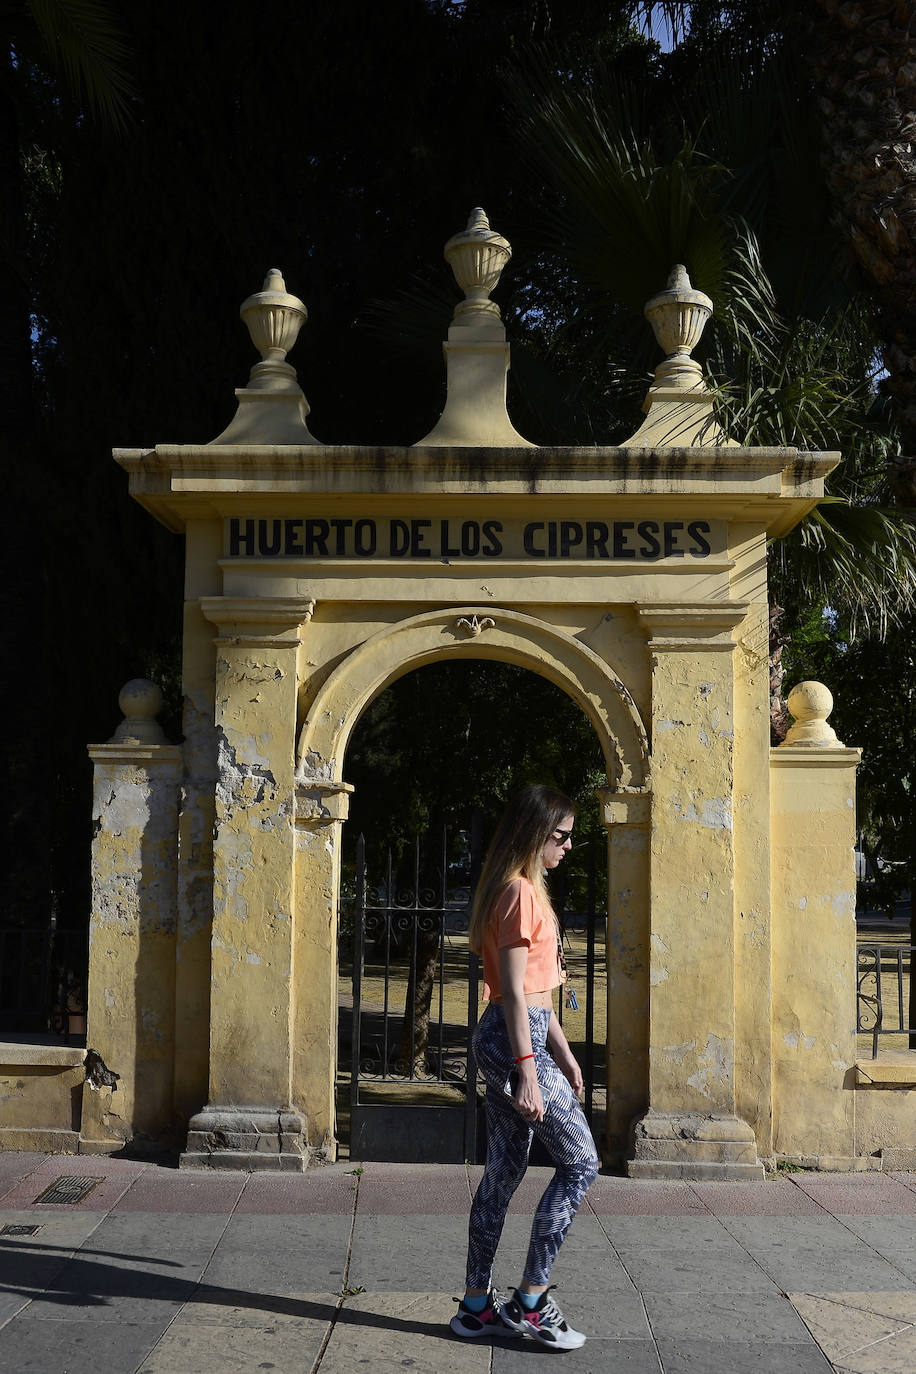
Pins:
x: 427, y: 1252
x: 682, y: 1270
x: 326, y: 1191
x: 168, y: 1190
x: 415, y: 1189
x: 282, y: 1254
x: 388, y: 1332
x: 775, y: 1198
x: 851, y: 1326
x: 859, y: 1194
x: 76, y: 1347
x: 233, y: 1337
x: 610, y: 1196
x: 723, y: 1357
x: 893, y: 1238
x: 116, y: 1174
x: 16, y: 1165
x: 595, y: 1357
x: 667, y: 1232
x: 136, y: 1267
x: 31, y: 1264
x: 755, y: 1318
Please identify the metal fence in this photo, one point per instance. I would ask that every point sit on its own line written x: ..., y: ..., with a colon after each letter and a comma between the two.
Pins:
x: 43, y: 981
x: 883, y: 993
x: 415, y: 988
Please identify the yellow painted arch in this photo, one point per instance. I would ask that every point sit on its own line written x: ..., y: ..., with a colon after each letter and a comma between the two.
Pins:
x: 474, y: 632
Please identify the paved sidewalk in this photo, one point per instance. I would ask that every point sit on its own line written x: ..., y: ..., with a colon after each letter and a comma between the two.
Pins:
x: 342, y: 1270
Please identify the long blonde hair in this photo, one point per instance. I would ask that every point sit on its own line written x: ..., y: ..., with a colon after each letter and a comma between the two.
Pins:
x: 515, y: 851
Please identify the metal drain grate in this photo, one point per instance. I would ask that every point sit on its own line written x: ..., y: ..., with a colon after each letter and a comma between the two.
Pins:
x: 11, y: 1230
x: 68, y: 1189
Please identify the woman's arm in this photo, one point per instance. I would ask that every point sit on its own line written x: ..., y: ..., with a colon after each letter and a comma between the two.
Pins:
x: 513, y: 961
x: 563, y: 1056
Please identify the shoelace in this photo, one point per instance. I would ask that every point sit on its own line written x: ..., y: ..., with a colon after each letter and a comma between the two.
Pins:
x: 551, y: 1312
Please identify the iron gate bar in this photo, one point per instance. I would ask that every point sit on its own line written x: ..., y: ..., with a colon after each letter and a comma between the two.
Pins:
x: 590, y: 986
x: 358, y: 926
x: 389, y: 882
x: 470, y: 1100
x: 442, y: 933
x: 869, y: 964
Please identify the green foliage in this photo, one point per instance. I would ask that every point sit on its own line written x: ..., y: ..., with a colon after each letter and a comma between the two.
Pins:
x: 874, y: 685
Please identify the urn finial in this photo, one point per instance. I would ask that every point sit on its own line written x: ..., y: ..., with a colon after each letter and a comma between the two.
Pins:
x: 274, y: 318
x: 477, y: 257
x: 678, y: 317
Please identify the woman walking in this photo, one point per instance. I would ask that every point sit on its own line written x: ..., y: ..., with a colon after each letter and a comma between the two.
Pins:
x: 529, y: 1091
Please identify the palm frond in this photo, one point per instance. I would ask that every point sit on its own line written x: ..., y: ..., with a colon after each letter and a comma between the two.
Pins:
x: 85, y: 44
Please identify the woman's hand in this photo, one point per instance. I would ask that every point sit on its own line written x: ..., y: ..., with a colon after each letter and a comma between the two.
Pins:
x: 528, y: 1101
x: 568, y: 1065
x: 563, y: 1056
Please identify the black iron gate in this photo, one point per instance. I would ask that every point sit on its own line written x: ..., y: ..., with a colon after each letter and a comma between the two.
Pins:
x: 413, y: 1090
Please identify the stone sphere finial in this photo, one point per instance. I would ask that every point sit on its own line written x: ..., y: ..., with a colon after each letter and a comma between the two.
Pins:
x: 141, y: 702
x: 678, y: 317
x: 810, y: 703
x: 274, y: 318
x: 477, y: 257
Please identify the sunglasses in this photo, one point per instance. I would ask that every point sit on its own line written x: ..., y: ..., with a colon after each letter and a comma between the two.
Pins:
x: 561, y: 836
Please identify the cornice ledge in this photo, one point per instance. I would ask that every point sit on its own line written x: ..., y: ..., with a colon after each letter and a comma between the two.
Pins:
x: 619, y: 459
x: 289, y: 611
x: 814, y: 756
x: 688, y: 616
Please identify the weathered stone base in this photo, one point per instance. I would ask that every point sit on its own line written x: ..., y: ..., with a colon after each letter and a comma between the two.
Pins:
x: 47, y: 1140
x: 693, y: 1147
x: 248, y: 1138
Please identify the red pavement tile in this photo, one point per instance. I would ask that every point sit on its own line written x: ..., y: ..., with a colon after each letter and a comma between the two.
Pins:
x: 908, y: 1178
x: 866, y: 1194
x: 329, y: 1191
x: 612, y: 1196
x: 414, y: 1190
x: 16, y: 1165
x: 117, y: 1175
x: 779, y: 1198
x: 171, y: 1190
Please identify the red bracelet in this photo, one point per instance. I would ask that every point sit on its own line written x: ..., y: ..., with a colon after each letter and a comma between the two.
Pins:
x: 524, y: 1056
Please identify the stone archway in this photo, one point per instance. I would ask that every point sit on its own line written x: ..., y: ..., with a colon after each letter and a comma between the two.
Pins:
x: 322, y: 803
x: 473, y: 632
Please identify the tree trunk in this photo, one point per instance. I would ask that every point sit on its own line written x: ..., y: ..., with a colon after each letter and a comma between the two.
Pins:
x: 418, y: 1001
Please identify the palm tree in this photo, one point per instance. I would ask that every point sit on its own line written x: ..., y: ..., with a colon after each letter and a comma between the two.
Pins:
x: 863, y: 69
x: 857, y: 61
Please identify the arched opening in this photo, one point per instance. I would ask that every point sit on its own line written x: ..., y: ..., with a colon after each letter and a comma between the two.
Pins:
x: 432, y: 760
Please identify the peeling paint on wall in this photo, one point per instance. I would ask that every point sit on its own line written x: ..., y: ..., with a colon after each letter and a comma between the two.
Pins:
x: 716, y: 1066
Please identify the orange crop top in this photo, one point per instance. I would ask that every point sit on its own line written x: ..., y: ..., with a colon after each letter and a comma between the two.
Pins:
x: 517, y: 917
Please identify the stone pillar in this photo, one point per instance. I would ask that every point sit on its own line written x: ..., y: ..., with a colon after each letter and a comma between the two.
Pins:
x: 196, y: 822
x: 626, y: 816
x: 814, y: 936
x: 249, y: 1121
x: 321, y: 809
x: 131, y: 1006
x: 691, y: 1128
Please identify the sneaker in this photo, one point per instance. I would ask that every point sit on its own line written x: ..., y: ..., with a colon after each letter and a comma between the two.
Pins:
x: 489, y: 1322
x: 545, y: 1322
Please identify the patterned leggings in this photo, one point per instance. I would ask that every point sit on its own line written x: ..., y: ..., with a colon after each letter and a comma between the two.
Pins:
x: 564, y: 1132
